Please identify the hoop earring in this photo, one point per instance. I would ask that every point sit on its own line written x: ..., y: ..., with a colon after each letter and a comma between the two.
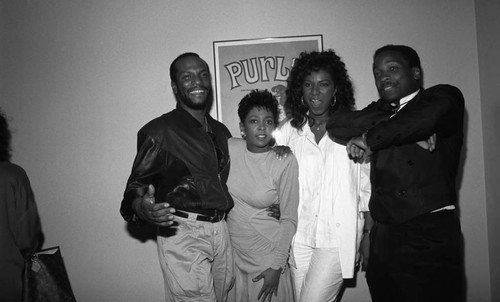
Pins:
x: 303, y: 102
x: 334, y: 101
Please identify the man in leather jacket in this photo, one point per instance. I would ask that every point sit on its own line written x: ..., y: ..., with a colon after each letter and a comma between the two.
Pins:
x: 178, y: 183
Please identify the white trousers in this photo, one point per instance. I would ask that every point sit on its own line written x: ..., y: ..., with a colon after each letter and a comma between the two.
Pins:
x: 318, y: 276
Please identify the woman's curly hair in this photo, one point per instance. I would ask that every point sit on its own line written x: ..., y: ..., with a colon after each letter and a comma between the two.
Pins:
x: 5, y: 137
x: 258, y: 99
x: 315, y: 61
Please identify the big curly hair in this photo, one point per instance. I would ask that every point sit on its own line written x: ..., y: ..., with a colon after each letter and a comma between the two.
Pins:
x: 5, y: 137
x: 311, y: 62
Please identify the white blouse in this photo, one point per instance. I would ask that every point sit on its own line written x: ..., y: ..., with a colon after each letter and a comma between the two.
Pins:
x: 333, y: 192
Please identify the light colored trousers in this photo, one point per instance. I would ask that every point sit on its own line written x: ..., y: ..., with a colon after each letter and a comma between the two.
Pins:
x: 196, y: 261
x: 318, y: 275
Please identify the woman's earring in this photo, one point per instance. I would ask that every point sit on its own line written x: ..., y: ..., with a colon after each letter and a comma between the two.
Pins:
x: 243, y: 135
x: 334, y: 100
x: 303, y: 102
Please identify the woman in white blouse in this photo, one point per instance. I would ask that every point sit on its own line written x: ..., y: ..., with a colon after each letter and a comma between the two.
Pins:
x: 334, y: 190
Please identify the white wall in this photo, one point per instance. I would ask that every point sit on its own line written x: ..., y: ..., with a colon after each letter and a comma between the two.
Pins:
x: 79, y: 78
x: 488, y: 29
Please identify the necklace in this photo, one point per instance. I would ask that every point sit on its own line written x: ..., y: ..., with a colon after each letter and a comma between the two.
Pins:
x: 316, y: 125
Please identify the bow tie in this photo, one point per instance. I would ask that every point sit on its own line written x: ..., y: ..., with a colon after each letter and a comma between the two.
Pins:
x: 394, y: 106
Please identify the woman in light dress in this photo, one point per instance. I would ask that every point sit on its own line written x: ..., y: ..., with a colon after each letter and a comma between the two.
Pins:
x: 257, y: 180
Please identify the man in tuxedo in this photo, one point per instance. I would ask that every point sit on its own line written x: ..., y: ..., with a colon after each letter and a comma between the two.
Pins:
x: 413, y: 137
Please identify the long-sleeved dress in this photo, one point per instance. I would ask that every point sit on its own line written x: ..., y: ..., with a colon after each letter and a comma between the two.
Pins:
x: 256, y: 181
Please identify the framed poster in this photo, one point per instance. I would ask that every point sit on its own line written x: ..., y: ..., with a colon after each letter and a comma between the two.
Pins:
x: 244, y: 65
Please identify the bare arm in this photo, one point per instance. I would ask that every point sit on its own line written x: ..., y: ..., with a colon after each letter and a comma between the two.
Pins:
x: 364, y: 246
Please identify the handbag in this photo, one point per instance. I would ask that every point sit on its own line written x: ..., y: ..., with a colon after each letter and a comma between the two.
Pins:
x: 45, y: 278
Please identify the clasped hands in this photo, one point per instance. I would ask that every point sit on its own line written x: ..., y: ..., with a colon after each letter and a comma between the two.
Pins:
x: 358, y: 149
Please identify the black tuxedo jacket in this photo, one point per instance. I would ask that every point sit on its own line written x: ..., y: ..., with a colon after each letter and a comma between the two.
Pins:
x: 407, y: 180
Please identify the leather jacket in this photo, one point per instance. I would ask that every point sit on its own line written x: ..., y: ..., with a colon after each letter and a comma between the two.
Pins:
x: 179, y: 157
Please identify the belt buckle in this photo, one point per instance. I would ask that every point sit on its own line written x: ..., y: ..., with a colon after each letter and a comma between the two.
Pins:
x: 217, y: 217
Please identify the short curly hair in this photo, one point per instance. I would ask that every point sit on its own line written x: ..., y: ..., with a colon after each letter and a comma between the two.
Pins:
x: 173, y: 66
x: 314, y: 61
x: 408, y: 53
x: 258, y: 99
x: 5, y: 137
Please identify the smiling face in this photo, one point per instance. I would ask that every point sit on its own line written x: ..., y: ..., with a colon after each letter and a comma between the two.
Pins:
x: 192, y: 83
x: 258, y: 127
x: 318, y: 90
x: 394, y: 78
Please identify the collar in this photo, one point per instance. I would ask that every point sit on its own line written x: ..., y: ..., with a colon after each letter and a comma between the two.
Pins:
x: 407, y: 98
x: 396, y: 106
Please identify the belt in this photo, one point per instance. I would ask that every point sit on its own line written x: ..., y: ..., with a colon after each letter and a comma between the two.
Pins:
x: 219, y: 215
